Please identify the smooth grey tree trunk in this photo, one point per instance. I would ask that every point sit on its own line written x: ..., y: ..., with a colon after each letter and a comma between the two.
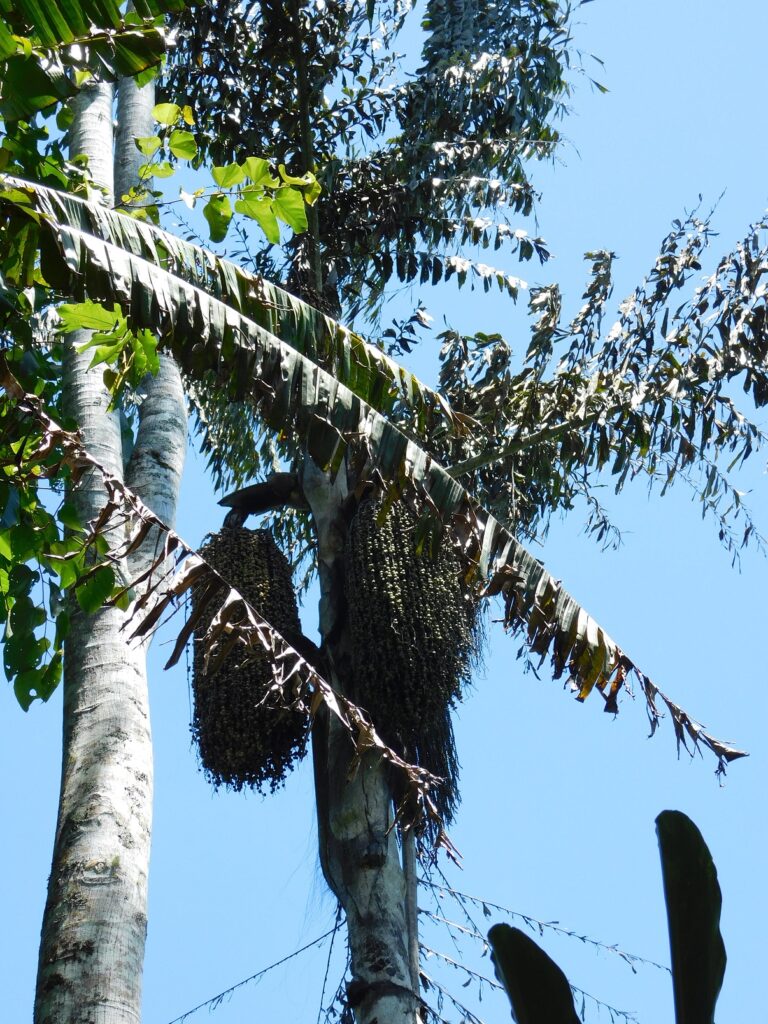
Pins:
x: 94, y: 925
x: 359, y: 852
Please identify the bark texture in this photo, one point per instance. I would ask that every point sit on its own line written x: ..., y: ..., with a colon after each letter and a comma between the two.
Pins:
x: 359, y: 853
x: 134, y: 121
x: 94, y: 926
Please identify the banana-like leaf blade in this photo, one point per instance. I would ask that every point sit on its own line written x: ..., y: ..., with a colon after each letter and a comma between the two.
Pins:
x: 365, y: 369
x: 39, y: 40
x: 693, y: 899
x: 538, y: 990
x: 60, y: 22
x: 294, y: 393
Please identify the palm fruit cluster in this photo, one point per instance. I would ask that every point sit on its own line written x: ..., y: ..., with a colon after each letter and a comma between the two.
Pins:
x: 241, y: 740
x: 414, y: 638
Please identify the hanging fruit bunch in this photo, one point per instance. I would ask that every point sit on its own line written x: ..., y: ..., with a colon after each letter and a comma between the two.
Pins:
x: 415, y: 637
x: 244, y: 735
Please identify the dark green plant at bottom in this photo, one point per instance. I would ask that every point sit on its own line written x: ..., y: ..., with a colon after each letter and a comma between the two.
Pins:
x: 539, y: 991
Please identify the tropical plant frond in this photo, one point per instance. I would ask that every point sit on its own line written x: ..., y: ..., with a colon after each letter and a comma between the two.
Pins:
x: 651, y: 397
x: 295, y: 394
x: 176, y: 570
x: 41, y: 43
x: 363, y: 368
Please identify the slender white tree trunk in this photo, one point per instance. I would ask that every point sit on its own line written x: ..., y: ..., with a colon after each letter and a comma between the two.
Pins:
x: 358, y: 846
x: 94, y: 926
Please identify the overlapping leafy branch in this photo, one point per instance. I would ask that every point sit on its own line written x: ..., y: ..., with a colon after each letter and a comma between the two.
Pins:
x: 653, y: 397
x: 294, y: 393
x: 416, y: 165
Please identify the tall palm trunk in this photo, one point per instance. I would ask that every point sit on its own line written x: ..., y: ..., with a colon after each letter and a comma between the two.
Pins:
x: 358, y: 846
x: 94, y: 925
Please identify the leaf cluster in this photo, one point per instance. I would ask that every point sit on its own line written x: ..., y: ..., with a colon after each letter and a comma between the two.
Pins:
x: 258, y: 194
x: 50, y: 565
x: 651, y: 397
x: 414, y: 167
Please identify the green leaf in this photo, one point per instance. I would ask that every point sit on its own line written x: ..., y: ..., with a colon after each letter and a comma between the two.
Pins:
x: 218, y: 212
x: 257, y: 169
x: 27, y: 87
x: 289, y: 206
x: 24, y: 687
x: 64, y: 118
x: 147, y: 145
x: 693, y: 899
x: 166, y: 113
x: 50, y: 677
x: 67, y: 516
x: 94, y: 590
x: 145, y: 358
x: 229, y: 175
x: 67, y: 567
x: 182, y: 144
x: 88, y: 316
x: 308, y: 183
x: 261, y: 211
x: 108, y: 353
x: 162, y: 170
x: 538, y: 990
x: 6, y: 547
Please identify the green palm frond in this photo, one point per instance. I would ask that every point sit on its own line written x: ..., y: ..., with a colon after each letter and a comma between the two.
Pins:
x: 87, y: 252
x: 41, y: 44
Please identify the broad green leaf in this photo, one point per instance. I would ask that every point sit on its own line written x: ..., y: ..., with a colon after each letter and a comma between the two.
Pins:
x: 67, y: 567
x: 148, y: 145
x: 693, y: 899
x: 292, y: 179
x: 538, y: 990
x: 108, y: 353
x: 257, y: 169
x: 27, y: 87
x: 218, y: 212
x: 308, y: 183
x: 261, y: 211
x: 145, y: 358
x: 25, y: 687
x: 162, y: 170
x: 67, y: 516
x: 94, y: 590
x: 182, y: 144
x: 166, y: 113
x: 6, y: 546
x: 289, y: 206
x: 50, y: 677
x: 89, y: 316
x: 226, y: 177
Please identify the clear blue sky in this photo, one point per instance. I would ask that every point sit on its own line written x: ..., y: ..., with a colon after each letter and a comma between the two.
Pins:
x: 559, y: 799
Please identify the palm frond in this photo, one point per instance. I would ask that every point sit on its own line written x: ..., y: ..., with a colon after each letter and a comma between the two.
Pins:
x: 41, y: 43
x: 293, y: 393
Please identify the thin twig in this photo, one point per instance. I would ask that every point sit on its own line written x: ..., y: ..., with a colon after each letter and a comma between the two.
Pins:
x: 629, y: 958
x: 336, y: 926
x: 215, y: 1001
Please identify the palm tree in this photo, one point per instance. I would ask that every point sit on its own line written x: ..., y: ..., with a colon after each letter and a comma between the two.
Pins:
x: 352, y: 410
x: 94, y: 926
x: 298, y: 394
